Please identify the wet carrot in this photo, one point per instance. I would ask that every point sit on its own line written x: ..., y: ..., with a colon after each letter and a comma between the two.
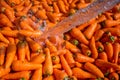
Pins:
x: 59, y: 75
x: 82, y: 58
x: 69, y: 58
x: 18, y: 75
x: 103, y: 56
x: 2, y: 54
x: 4, y: 71
x: 93, y: 48
x: 116, y: 50
x: 109, y: 50
x: 65, y: 65
x: 76, y: 33
x: 10, y: 54
x: 47, y: 66
x: 37, y: 75
x: 23, y: 65
x: 93, y: 69
x: 21, y: 50
x: 79, y: 73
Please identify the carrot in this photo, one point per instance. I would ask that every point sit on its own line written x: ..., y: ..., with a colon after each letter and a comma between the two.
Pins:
x: 47, y: 66
x: 101, y: 19
x: 116, y: 50
x: 3, y: 39
x: 82, y: 5
x: 21, y: 50
x: 71, y: 47
x: 10, y: 33
x: 18, y: 75
x: 57, y: 66
x: 37, y: 75
x: 102, y: 63
x: 114, y: 76
x: 40, y: 58
x: 55, y: 7
x: 99, y: 46
x: 82, y: 58
x: 23, y: 65
x: 2, y: 54
x: 69, y: 58
x: 76, y: 33
x: 116, y: 16
x: 35, y: 47
x: 49, y: 78
x: 110, y: 23
x: 109, y: 50
x: 93, y: 48
x: 79, y: 73
x: 79, y: 65
x: 59, y: 75
x: 41, y: 14
x: 4, y: 71
x: 85, y: 50
x: 47, y: 7
x: 61, y: 6
x: 11, y: 40
x: 4, y: 4
x: 27, y: 51
x: 98, y: 34
x: 103, y: 56
x: 55, y: 58
x: 65, y: 65
x: 10, y: 54
x: 93, y: 69
x: 26, y: 9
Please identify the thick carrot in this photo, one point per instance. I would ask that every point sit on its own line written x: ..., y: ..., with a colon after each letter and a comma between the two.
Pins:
x: 21, y: 50
x: 99, y: 46
x: 116, y: 50
x: 47, y: 66
x: 111, y: 23
x: 10, y: 54
x: 109, y: 50
x: 47, y: 7
x: 103, y: 56
x: 3, y: 39
x: 23, y: 65
x: 37, y: 75
x: 35, y: 47
x: 76, y: 33
x: 98, y: 34
x: 17, y: 75
x: 71, y: 47
x: 93, y: 48
x: 69, y: 58
x: 61, y: 6
x: 38, y: 59
x: 2, y: 54
x: 65, y: 65
x: 82, y: 58
x: 41, y: 14
x: 101, y: 63
x: 79, y: 73
x: 59, y: 74
x: 114, y: 76
x: 10, y: 33
x: 4, y: 71
x: 93, y: 69
x: 90, y: 30
x: 55, y: 58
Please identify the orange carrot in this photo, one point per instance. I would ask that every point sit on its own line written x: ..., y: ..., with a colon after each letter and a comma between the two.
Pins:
x: 110, y: 23
x: 57, y: 66
x: 65, y: 65
x: 59, y: 75
x: 55, y: 7
x: 98, y: 34
x: 18, y: 75
x: 76, y: 33
x: 116, y: 50
x: 79, y: 65
x: 40, y: 58
x: 49, y: 78
x: 4, y: 4
x: 101, y: 19
x: 109, y: 50
x: 99, y: 46
x: 41, y: 14
x: 4, y: 71
x: 22, y: 66
x: 27, y: 51
x: 12, y: 33
x: 2, y: 54
x: 55, y: 58
x: 93, y: 69
x: 103, y: 56
x: 47, y: 7
x: 117, y: 16
x: 82, y: 58
x: 2, y: 38
x: 10, y: 54
x: 37, y: 75
x: 101, y: 63
x: 47, y: 66
x: 90, y: 30
x: 69, y: 58
x: 114, y: 76
x: 79, y: 73
x: 21, y: 50
x: 61, y: 6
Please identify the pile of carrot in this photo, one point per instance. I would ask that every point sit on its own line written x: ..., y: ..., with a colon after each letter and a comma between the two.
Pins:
x: 90, y: 51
